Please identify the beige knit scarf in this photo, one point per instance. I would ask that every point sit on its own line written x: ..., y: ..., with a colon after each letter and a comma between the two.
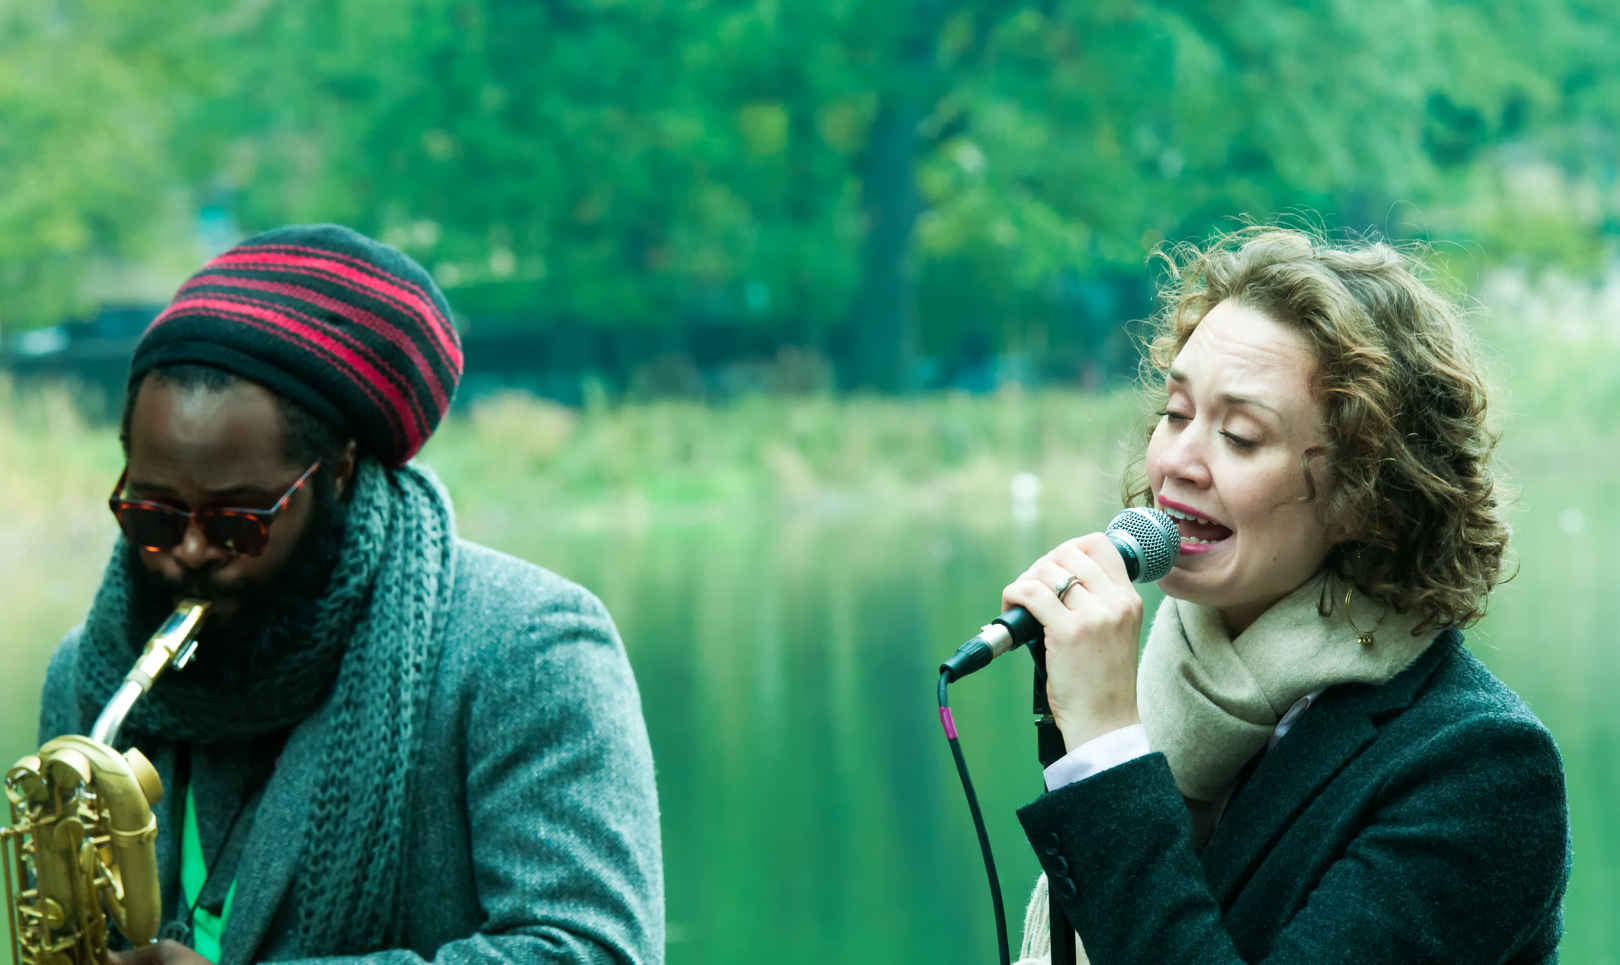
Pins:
x: 1209, y: 703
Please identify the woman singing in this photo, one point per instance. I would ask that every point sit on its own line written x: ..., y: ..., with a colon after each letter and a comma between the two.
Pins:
x: 1308, y: 765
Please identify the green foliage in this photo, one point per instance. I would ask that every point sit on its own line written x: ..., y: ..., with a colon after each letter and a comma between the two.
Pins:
x: 1097, y: 130
x: 83, y: 145
x: 635, y: 160
x: 607, y: 161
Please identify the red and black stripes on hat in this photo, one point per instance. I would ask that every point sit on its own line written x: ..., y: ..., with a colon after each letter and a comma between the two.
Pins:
x: 350, y: 328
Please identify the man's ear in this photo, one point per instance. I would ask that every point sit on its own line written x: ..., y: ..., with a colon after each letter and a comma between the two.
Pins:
x: 343, y: 472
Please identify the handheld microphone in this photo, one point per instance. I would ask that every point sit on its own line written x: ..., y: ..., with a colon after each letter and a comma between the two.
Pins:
x: 1148, y: 542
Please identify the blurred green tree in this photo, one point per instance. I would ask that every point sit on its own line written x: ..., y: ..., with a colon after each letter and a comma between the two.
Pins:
x: 83, y: 147
x: 905, y: 175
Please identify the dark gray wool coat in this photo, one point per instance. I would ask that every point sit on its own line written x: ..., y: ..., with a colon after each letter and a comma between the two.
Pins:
x: 1421, y: 821
x: 533, y: 820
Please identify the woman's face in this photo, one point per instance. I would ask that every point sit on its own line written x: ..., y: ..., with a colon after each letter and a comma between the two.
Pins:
x: 1224, y: 460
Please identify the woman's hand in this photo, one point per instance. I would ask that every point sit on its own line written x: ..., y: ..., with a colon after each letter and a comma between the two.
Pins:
x: 1091, y: 635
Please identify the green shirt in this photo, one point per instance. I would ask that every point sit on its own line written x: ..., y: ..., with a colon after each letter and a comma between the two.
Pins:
x: 206, y: 927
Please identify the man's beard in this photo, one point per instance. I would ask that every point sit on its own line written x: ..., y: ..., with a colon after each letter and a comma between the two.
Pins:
x: 270, y: 617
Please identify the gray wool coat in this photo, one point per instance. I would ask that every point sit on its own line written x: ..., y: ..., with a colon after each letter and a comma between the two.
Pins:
x: 533, y: 819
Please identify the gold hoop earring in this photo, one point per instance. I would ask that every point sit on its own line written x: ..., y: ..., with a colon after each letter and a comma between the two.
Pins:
x: 1363, y: 637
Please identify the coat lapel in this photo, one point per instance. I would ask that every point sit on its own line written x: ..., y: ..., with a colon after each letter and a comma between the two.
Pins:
x: 274, y: 851
x: 1325, y: 740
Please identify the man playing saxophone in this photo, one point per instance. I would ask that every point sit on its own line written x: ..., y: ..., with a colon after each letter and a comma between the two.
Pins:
x: 392, y: 744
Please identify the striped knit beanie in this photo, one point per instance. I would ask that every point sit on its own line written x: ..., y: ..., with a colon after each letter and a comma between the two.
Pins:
x: 350, y: 328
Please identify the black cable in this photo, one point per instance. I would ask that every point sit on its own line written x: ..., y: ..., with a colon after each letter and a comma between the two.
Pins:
x: 978, y: 819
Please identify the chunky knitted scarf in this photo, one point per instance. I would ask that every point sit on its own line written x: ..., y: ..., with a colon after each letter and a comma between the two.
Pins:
x: 376, y: 640
x: 1210, y: 702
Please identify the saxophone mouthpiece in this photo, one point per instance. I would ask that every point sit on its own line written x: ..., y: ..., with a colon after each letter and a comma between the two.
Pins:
x: 174, y: 644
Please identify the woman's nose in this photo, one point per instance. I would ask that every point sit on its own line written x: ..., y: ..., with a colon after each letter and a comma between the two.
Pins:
x: 1186, y: 458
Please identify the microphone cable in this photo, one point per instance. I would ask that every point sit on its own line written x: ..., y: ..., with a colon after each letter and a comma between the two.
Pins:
x: 1148, y: 543
x: 949, y: 724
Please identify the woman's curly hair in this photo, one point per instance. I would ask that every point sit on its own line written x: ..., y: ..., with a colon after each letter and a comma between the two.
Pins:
x: 1412, y: 510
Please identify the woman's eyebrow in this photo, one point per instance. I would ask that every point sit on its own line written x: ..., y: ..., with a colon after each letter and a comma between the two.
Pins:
x: 1230, y: 398
x: 1235, y: 398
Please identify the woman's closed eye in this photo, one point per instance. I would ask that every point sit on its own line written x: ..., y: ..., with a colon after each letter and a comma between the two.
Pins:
x: 1176, y: 417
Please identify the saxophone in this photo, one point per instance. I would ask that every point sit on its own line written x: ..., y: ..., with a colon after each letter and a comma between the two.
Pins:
x: 81, y: 846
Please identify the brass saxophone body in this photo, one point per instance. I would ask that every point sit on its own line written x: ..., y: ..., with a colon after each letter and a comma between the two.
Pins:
x: 81, y: 848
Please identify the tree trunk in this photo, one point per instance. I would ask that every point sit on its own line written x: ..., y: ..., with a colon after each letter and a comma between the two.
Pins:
x: 884, y: 311
x: 885, y: 316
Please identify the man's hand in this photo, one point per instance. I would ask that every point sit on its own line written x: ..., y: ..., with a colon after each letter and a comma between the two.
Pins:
x: 166, y: 952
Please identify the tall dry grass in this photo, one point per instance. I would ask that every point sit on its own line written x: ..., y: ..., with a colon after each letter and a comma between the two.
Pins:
x: 673, y: 461
x: 55, y: 533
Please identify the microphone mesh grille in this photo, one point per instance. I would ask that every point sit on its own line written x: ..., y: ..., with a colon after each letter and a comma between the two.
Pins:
x: 1156, y: 533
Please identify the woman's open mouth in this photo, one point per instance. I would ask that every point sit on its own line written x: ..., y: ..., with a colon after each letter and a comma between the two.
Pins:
x: 1195, y: 530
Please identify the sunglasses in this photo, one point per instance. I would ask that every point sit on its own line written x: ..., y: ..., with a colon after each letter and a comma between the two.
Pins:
x: 158, y: 527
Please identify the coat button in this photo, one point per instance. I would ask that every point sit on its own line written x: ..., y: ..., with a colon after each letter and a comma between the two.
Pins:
x: 1060, y: 865
x: 1050, y: 844
x: 1066, y: 888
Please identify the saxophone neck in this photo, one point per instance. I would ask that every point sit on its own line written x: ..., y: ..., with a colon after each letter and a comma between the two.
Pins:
x: 174, y: 644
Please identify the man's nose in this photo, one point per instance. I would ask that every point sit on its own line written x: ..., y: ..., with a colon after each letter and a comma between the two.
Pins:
x: 194, y: 551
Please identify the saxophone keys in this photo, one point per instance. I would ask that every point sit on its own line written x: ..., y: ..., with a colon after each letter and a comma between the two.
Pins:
x: 145, y: 775
x: 68, y: 768
x: 50, y: 912
x: 24, y: 783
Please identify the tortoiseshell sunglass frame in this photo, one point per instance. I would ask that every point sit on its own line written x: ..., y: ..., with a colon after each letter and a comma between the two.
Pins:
x: 180, y: 519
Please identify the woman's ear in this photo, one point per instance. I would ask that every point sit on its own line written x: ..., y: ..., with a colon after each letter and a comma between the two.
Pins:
x: 344, y: 471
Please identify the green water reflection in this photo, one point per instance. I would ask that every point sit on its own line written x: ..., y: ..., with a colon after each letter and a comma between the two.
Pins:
x: 810, y: 811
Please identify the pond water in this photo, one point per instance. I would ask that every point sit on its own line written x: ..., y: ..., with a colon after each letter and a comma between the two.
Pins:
x: 810, y: 810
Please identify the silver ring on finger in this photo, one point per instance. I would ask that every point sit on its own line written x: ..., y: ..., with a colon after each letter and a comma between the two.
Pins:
x: 1063, y: 586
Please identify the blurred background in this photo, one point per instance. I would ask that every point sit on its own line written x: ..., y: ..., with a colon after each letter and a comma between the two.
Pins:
x: 794, y: 330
